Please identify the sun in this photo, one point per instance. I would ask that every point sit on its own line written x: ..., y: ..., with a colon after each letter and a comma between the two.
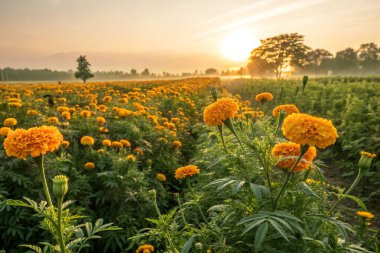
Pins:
x: 237, y: 46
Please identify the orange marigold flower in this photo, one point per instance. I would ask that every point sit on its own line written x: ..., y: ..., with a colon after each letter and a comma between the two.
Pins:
x: 35, y: 141
x: 53, y: 120
x: 100, y: 151
x: 31, y: 112
x: 65, y: 144
x: 4, y: 131
x: 216, y: 113
x: 367, y: 154
x: 177, y: 144
x: 125, y: 143
x: 309, y: 130
x: 186, y: 171
x: 66, y: 115
x: 101, y: 120
x: 10, y: 122
x: 106, y: 143
x: 139, y: 151
x: 87, y: 141
x: 265, y: 96
x: 116, y: 144
x: 289, y: 109
x: 365, y: 214
x: 146, y: 248
x: 89, y: 165
x: 161, y: 177
x: 282, y: 150
x: 131, y: 158
x: 85, y: 114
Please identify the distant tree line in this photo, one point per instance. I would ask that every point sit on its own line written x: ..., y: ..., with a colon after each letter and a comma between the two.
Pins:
x: 288, y: 53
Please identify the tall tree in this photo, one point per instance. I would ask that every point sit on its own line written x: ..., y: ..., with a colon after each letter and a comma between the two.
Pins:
x: 369, y: 56
x: 258, y: 67
x: 284, y: 50
x: 83, y: 70
x: 346, y: 61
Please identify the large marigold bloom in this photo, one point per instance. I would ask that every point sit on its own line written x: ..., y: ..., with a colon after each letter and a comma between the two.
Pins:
x: 309, y: 130
x: 289, y: 109
x: 282, y: 150
x: 216, y: 113
x: 265, y: 96
x: 35, y: 141
x: 146, y: 248
x: 87, y: 141
x: 187, y: 171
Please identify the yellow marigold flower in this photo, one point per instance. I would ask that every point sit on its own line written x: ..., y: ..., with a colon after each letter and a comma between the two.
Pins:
x: 216, y: 113
x: 177, y: 144
x: 103, y: 129
x: 289, y: 109
x: 87, y: 141
x: 309, y: 130
x: 282, y: 150
x: 53, y: 120
x: 365, y: 214
x: 370, y: 155
x: 85, y: 114
x: 4, y: 131
x: 161, y: 177
x: 186, y: 171
x: 116, y: 144
x: 66, y: 115
x: 102, y: 108
x: 100, y: 151
x: 35, y: 141
x: 107, y: 99
x: 146, y: 248
x: 131, y: 158
x: 101, y: 120
x: 31, y: 112
x: 107, y: 143
x: 265, y: 96
x: 89, y: 165
x: 139, y: 151
x: 65, y: 144
x: 125, y: 143
x: 10, y: 122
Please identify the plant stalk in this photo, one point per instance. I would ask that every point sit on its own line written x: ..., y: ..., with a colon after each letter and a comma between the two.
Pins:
x: 40, y: 163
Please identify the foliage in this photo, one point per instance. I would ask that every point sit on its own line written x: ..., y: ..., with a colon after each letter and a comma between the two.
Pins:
x: 83, y: 70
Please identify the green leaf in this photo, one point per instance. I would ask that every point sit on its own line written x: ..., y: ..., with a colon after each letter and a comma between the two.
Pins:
x: 188, y: 245
x: 12, y: 202
x: 258, y: 191
x: 32, y: 247
x: 260, y: 235
x: 308, y: 190
x: 253, y: 225
x: 279, y: 228
x: 237, y: 186
x: 356, y: 199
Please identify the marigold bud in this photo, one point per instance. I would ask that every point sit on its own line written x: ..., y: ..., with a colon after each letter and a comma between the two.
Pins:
x: 60, y: 186
x: 365, y: 160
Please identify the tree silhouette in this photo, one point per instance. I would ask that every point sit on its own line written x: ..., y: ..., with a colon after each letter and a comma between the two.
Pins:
x: 282, y: 50
x: 83, y: 70
x: 346, y: 60
x: 369, y: 56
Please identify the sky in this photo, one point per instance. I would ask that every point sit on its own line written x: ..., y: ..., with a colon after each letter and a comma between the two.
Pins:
x: 172, y: 35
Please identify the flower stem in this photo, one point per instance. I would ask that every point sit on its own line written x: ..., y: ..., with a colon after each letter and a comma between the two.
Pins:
x: 354, y: 184
x: 181, y: 209
x: 40, y: 163
x: 303, y: 150
x: 220, y: 128
x: 60, y: 232
x: 196, y: 202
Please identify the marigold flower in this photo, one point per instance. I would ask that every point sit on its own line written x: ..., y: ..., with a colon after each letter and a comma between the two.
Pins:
x: 282, y: 150
x: 10, y: 122
x: 186, y: 171
x: 139, y: 151
x: 53, y: 120
x: 31, y: 112
x: 265, y: 96
x: 107, y: 143
x: 89, y: 165
x: 217, y: 112
x: 35, y: 141
x: 125, y: 143
x: 131, y: 158
x: 365, y: 214
x: 161, y: 177
x: 289, y: 109
x: 116, y: 144
x: 146, y: 248
x: 101, y: 120
x: 100, y: 151
x: 309, y: 130
x: 65, y: 144
x: 87, y: 141
x: 177, y: 144
x: 367, y: 154
x: 66, y: 115
x: 85, y: 114
x: 4, y: 131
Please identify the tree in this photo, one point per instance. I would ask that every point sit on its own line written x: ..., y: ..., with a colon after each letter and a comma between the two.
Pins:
x: 133, y: 72
x: 284, y: 50
x: 211, y: 71
x: 259, y: 67
x: 346, y: 60
x: 145, y: 72
x: 83, y: 70
x: 369, y: 56
x: 317, y: 56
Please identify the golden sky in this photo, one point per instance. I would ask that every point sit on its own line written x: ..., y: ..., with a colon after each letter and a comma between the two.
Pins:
x: 172, y: 35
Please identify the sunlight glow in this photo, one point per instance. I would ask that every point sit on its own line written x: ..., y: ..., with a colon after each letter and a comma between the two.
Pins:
x: 238, y: 45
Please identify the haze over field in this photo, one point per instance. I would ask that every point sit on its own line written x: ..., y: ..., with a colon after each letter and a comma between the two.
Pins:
x: 172, y: 35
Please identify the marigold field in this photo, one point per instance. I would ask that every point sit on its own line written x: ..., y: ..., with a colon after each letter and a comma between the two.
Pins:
x: 191, y: 165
